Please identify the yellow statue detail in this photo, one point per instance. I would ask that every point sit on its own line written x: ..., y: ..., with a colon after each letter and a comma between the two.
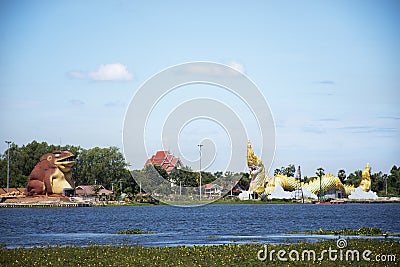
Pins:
x: 328, y: 182
x: 252, y: 159
x: 366, y: 178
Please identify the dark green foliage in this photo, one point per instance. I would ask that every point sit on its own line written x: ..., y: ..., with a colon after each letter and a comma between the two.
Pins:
x: 161, y: 171
x: 394, y: 181
x: 244, y: 182
x: 288, y: 171
x: 185, y: 178
x: 354, y: 178
x: 105, y: 165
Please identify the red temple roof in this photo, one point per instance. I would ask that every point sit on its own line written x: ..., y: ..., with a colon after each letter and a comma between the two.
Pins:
x: 165, y: 159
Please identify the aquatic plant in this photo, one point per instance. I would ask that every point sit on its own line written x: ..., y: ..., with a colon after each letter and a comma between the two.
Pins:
x: 221, y: 255
x: 133, y: 232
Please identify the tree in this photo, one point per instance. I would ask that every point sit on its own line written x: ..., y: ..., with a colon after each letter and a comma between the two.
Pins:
x: 288, y: 171
x: 354, y: 178
x: 218, y: 174
x: 244, y: 182
x: 185, y: 178
x: 320, y: 173
x: 161, y: 171
x: 394, y: 181
x: 105, y: 165
x: 378, y: 183
x: 207, y: 178
x: 342, y: 175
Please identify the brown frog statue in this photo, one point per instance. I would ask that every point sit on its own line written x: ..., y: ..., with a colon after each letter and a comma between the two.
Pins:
x: 52, y: 174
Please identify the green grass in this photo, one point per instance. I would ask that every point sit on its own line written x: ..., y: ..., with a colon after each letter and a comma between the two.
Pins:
x: 223, y: 255
x: 363, y: 231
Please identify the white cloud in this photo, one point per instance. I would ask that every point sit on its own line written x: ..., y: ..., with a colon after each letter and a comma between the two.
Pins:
x: 106, y: 72
x: 111, y: 72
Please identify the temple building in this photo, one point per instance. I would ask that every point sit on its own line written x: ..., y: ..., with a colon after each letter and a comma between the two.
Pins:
x: 165, y: 160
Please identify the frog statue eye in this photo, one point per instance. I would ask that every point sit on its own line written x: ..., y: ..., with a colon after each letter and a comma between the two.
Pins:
x: 57, y: 155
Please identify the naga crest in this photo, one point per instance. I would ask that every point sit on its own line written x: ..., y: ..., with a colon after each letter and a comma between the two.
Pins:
x: 52, y: 174
x: 257, y: 171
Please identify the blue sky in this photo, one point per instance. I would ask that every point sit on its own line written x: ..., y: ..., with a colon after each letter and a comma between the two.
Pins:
x: 328, y: 69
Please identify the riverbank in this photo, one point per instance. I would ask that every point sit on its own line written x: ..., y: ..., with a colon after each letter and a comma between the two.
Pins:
x: 382, y: 253
x: 63, y: 202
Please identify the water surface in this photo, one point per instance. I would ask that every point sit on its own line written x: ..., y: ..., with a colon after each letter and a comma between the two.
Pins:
x: 172, y: 226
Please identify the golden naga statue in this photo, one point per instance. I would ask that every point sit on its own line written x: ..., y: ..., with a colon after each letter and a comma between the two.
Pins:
x: 257, y: 172
x: 262, y: 184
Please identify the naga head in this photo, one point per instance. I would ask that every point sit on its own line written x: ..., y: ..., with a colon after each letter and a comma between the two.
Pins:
x: 253, y: 162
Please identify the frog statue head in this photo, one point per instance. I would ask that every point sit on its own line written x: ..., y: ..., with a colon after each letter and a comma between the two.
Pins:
x: 52, y: 174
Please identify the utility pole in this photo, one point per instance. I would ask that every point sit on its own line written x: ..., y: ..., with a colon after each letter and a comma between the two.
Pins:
x: 200, y: 167
x: 8, y: 166
x: 386, y: 178
x: 120, y: 184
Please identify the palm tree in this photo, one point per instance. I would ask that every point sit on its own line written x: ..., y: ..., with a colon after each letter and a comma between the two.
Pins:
x: 342, y: 175
x: 320, y: 173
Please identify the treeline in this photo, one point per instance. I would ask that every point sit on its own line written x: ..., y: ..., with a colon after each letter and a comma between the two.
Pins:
x: 380, y: 182
x: 185, y: 179
x: 105, y: 166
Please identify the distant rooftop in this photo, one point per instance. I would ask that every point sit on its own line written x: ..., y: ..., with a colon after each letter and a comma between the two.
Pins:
x: 165, y: 160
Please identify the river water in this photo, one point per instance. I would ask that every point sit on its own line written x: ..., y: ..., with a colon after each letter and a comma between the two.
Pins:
x: 172, y: 226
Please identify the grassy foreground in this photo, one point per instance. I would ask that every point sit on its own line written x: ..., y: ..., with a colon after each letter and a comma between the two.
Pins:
x: 223, y: 255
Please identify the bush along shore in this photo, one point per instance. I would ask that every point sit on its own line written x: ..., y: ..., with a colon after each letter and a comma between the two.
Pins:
x: 363, y: 252
x: 363, y: 231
